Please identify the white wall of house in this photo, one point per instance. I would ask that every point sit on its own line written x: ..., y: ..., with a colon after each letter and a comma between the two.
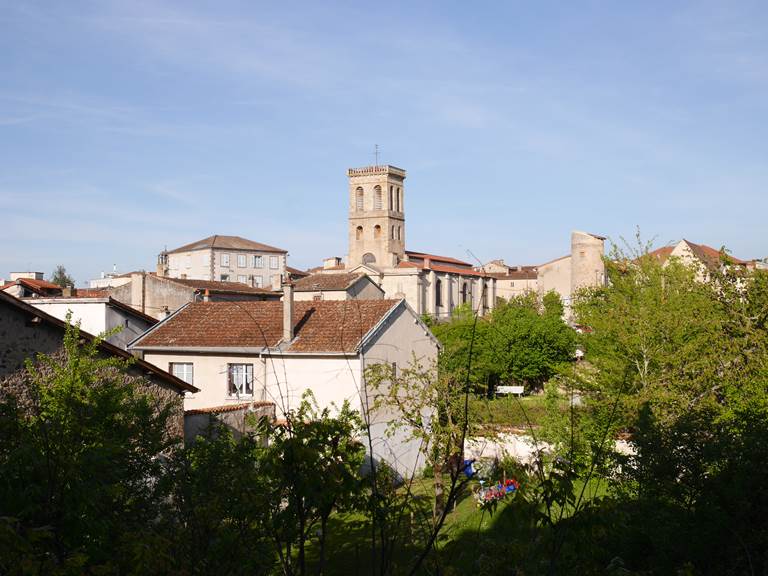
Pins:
x: 91, y: 315
x: 332, y: 378
x: 96, y: 317
x: 403, y: 341
x: 281, y: 379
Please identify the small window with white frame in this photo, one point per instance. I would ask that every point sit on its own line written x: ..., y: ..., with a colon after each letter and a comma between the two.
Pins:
x: 241, y: 261
x: 257, y: 261
x: 274, y: 262
x: 225, y: 260
x: 224, y: 277
x: 183, y: 371
x: 242, y: 279
x: 258, y: 281
x: 240, y: 379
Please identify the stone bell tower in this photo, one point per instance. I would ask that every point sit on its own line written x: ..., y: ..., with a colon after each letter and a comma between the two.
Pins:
x: 376, y: 216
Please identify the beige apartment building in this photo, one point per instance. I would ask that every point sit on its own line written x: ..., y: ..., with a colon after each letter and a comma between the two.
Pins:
x: 226, y: 259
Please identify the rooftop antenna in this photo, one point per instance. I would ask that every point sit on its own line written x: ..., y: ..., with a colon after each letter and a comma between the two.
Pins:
x: 376, y: 153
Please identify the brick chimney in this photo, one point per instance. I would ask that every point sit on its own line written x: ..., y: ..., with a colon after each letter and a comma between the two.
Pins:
x: 287, y: 309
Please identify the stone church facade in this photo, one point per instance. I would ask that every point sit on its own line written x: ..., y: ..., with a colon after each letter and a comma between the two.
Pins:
x: 431, y: 284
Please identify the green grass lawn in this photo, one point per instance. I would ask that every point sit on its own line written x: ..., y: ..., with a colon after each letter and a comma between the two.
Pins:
x: 509, y: 410
x: 467, y: 531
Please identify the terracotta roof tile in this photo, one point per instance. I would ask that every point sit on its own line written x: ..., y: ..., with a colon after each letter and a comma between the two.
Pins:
x: 39, y: 286
x: 220, y: 287
x: 709, y: 255
x: 226, y: 243
x: 515, y: 275
x: 319, y: 326
x: 317, y: 282
x: 437, y: 258
x: 229, y: 408
x: 447, y: 269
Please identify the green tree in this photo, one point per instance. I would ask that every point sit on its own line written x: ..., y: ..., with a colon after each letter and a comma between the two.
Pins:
x: 82, y: 446
x: 526, y: 343
x: 60, y: 277
x: 218, y: 522
x: 313, y: 464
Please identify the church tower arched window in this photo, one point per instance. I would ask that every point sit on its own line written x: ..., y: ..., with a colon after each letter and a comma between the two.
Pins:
x: 391, y: 205
x: 377, y: 198
x: 359, y: 233
x: 359, y: 199
x: 377, y: 231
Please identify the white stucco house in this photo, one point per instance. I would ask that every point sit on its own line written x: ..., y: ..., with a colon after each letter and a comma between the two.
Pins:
x: 98, y: 315
x: 274, y: 351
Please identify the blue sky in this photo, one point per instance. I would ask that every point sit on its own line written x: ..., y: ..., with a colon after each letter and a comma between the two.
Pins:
x: 129, y: 126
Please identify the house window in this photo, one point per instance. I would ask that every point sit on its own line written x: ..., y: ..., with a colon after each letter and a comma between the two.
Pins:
x: 258, y: 261
x: 377, y: 198
x: 274, y: 262
x: 182, y: 371
x: 317, y: 297
x: 224, y: 277
x: 241, y: 261
x: 225, y: 260
x: 359, y: 205
x: 438, y: 293
x: 464, y: 293
x: 258, y: 281
x: 242, y: 279
x: 240, y: 379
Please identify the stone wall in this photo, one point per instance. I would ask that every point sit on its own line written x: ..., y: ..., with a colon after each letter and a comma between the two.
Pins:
x: 24, y: 335
x: 238, y: 420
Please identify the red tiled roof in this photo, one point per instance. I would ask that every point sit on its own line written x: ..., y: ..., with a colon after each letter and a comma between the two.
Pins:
x: 227, y: 243
x: 710, y: 255
x: 661, y: 253
x: 229, y: 408
x: 296, y: 272
x: 323, y: 282
x: 446, y: 269
x: 515, y: 275
x: 216, y: 286
x: 319, y: 326
x: 103, y: 344
x: 39, y: 286
x: 437, y: 258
